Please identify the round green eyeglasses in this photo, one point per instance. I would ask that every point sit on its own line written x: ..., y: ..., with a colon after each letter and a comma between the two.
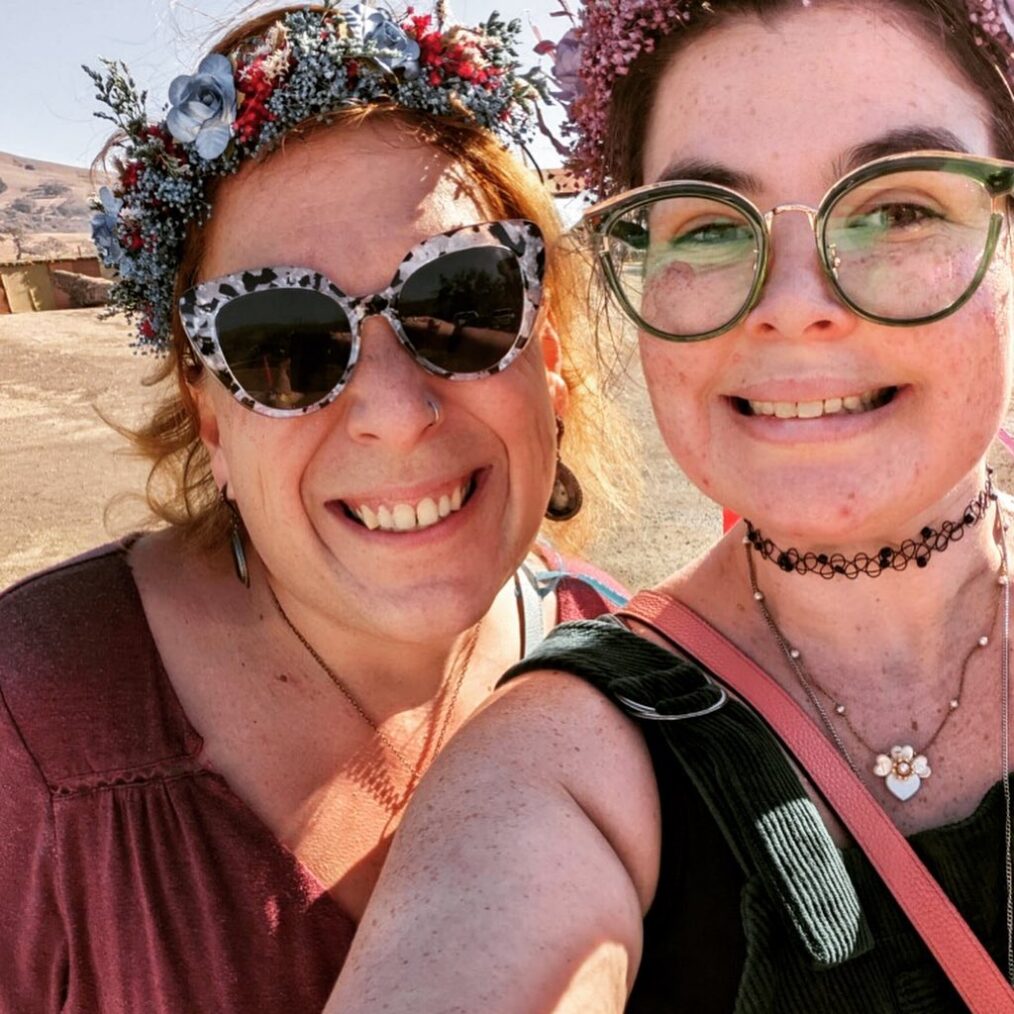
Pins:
x: 903, y: 240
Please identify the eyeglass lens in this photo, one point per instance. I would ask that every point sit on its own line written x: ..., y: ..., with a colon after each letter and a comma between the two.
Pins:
x: 909, y: 244
x: 902, y: 246
x: 462, y: 312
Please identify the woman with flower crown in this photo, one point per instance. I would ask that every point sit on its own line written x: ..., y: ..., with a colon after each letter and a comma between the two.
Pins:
x: 702, y: 804
x: 208, y: 733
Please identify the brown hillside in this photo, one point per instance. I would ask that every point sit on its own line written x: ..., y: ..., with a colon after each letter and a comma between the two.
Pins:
x: 46, y: 206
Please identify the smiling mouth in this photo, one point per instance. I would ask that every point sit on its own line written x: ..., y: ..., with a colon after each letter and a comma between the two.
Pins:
x: 853, y: 404
x: 411, y: 516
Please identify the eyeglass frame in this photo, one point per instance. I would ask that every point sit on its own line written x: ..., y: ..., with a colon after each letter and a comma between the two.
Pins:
x: 200, y: 304
x: 994, y: 174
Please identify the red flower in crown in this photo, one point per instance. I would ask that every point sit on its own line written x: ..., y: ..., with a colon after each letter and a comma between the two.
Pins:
x: 129, y: 175
x: 255, y: 88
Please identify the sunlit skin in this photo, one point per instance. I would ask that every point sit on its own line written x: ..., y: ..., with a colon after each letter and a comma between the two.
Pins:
x: 787, y: 102
x: 391, y: 614
x: 836, y: 479
x: 351, y: 205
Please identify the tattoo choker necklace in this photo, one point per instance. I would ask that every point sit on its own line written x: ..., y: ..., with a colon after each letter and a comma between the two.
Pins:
x: 917, y: 551
x: 903, y: 768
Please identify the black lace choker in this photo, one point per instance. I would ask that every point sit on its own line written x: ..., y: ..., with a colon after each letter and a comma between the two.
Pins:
x: 917, y: 551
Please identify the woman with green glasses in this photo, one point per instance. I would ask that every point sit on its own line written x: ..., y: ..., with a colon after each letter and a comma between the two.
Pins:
x: 806, y: 215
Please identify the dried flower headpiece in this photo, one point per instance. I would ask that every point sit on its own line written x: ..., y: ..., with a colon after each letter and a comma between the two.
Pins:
x: 609, y: 35
x: 308, y: 63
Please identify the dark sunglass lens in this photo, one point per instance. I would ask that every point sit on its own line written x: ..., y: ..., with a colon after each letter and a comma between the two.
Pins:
x: 287, y: 348
x: 463, y: 311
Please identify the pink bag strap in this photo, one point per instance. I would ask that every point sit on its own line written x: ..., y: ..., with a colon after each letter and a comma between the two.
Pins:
x: 957, y: 950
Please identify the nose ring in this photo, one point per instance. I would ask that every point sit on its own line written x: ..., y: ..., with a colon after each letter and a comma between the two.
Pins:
x: 435, y: 409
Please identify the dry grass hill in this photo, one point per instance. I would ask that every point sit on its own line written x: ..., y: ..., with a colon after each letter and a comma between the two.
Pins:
x: 44, y: 209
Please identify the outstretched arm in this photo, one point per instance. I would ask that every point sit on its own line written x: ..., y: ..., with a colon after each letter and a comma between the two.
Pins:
x: 519, y: 878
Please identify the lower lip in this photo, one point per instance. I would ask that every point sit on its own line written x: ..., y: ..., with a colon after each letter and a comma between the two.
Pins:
x: 825, y: 429
x: 445, y: 528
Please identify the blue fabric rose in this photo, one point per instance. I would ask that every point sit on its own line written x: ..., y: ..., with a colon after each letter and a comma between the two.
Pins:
x: 204, y: 106
x: 566, y: 67
x: 104, y: 225
x: 375, y: 28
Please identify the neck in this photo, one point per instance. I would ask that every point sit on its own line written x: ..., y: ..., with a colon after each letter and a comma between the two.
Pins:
x: 884, y: 624
x: 387, y: 674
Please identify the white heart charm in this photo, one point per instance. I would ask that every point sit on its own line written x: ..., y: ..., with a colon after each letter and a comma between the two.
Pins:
x: 903, y: 788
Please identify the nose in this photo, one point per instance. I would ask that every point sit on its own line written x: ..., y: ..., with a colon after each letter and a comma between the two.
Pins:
x: 390, y: 397
x: 797, y: 300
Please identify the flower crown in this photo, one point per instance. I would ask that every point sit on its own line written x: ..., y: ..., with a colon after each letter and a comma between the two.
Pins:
x: 609, y: 35
x: 309, y: 63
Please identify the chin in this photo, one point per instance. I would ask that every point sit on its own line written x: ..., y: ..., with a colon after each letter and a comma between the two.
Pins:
x: 437, y: 607
x: 811, y: 507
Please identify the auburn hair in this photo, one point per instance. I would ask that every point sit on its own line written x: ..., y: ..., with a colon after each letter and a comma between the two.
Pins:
x: 181, y: 490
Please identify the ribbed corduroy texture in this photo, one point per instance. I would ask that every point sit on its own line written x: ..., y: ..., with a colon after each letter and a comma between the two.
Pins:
x: 819, y: 930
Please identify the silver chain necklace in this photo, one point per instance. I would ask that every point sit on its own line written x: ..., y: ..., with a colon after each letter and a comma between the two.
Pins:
x: 910, y: 772
x: 903, y: 768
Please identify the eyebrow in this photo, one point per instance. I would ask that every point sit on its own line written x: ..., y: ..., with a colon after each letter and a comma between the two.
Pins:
x: 899, y: 142
x: 893, y: 142
x: 708, y: 172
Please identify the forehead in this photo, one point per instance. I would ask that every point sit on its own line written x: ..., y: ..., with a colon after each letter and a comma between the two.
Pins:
x: 787, y: 101
x: 348, y: 202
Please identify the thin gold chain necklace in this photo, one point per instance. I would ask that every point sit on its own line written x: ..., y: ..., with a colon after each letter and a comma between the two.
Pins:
x: 455, y: 678
x: 902, y: 767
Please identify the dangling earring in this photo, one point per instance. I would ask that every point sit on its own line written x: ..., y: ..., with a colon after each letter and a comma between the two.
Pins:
x: 236, y: 538
x: 566, y: 499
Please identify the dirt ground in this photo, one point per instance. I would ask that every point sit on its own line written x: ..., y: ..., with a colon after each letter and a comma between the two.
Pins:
x: 62, y: 465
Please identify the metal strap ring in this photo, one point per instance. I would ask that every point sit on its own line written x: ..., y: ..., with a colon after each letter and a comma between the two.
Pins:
x: 644, y: 711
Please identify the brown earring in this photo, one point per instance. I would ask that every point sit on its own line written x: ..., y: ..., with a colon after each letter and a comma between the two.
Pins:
x: 567, y: 497
x: 236, y: 538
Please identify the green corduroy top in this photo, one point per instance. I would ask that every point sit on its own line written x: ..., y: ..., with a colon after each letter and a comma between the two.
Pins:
x: 757, y: 910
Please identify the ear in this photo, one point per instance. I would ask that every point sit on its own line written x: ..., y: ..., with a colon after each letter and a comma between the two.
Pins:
x: 208, y: 429
x: 552, y: 357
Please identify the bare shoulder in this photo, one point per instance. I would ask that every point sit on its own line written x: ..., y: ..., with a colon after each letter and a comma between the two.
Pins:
x: 519, y: 878
x: 555, y: 729
x: 183, y: 587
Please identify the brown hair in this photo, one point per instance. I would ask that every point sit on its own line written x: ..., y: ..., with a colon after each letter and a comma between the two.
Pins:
x: 181, y: 489
x: 944, y: 23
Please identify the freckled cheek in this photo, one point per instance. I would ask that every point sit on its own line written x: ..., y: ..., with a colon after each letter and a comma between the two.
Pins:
x: 982, y: 350
x: 528, y: 429
x: 274, y: 462
x: 680, y: 382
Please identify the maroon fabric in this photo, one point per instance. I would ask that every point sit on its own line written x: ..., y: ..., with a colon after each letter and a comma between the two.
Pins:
x: 131, y: 878
x: 577, y: 599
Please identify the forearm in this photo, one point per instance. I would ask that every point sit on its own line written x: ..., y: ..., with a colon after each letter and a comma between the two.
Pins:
x: 504, y: 890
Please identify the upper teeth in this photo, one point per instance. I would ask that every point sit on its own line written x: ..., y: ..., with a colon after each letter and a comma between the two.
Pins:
x: 407, y: 517
x: 815, y: 409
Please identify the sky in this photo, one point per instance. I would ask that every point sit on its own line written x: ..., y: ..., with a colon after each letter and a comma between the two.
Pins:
x: 47, y: 112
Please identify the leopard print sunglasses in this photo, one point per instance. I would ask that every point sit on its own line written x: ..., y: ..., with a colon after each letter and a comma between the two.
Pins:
x: 285, y: 340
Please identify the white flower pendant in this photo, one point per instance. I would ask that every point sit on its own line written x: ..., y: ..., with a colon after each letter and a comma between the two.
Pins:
x: 902, y: 771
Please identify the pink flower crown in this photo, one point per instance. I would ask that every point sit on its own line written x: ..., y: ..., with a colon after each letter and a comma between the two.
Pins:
x: 609, y: 35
